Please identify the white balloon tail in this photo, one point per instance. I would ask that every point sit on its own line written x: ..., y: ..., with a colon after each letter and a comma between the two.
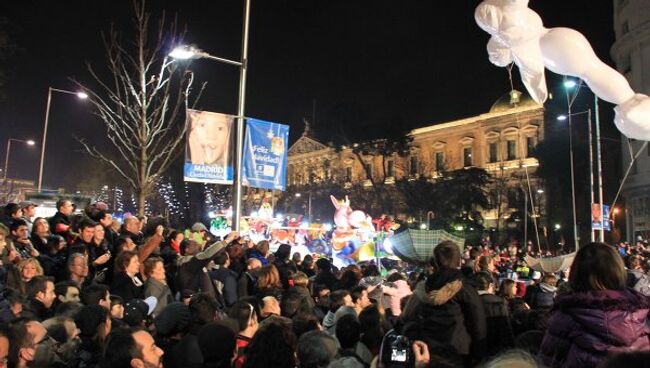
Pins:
x: 633, y: 117
x: 531, y: 67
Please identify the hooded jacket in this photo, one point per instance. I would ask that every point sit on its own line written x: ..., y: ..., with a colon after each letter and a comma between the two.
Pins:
x: 587, y: 326
x: 448, y: 315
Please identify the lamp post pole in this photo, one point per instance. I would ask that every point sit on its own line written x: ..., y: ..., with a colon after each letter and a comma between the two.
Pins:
x: 240, y: 118
x: 599, y: 162
x: 29, y: 142
x: 188, y: 52
x: 80, y: 95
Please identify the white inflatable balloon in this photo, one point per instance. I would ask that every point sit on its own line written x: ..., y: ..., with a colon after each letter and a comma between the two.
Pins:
x: 519, y: 36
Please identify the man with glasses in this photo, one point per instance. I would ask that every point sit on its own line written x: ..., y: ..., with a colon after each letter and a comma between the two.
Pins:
x: 78, y: 268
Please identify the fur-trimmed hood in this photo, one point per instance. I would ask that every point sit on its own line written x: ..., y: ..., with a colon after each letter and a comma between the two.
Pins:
x: 442, y: 287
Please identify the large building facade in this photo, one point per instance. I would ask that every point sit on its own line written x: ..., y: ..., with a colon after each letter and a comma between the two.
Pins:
x: 631, y: 53
x: 500, y: 141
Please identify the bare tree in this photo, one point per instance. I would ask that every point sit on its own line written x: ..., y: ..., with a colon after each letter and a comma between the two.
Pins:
x: 142, y: 102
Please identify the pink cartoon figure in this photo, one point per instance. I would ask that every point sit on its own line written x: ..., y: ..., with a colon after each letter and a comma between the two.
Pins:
x: 345, y: 218
x: 519, y: 36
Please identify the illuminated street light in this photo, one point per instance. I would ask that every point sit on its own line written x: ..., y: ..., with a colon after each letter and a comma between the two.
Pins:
x: 570, y: 83
x: 29, y: 142
x: 80, y: 95
x: 190, y: 52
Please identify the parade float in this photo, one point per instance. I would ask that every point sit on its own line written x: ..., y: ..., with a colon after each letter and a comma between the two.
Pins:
x: 354, y: 237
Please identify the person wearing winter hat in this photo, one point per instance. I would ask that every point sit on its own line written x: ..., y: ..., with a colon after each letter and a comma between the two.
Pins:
x: 137, y: 311
x: 94, y: 324
x: 175, y: 318
x: 172, y: 325
x: 217, y: 344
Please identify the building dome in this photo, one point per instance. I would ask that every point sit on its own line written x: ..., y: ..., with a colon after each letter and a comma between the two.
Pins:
x: 511, y: 100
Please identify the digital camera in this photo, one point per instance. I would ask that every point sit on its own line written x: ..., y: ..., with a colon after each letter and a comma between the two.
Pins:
x: 396, y: 351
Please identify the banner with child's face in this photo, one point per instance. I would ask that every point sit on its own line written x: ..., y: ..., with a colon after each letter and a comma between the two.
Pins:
x: 209, y: 147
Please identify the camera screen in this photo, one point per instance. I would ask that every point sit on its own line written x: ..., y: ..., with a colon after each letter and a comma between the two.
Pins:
x: 398, y: 355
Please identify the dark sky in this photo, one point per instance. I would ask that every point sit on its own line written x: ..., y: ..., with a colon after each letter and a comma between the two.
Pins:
x: 374, y: 62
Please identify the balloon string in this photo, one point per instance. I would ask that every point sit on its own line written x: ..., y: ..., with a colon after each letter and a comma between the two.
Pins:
x: 633, y: 157
x: 509, y: 68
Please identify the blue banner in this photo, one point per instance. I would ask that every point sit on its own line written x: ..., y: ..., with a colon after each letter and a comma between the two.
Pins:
x: 265, y: 155
x: 606, y: 222
x: 209, y: 147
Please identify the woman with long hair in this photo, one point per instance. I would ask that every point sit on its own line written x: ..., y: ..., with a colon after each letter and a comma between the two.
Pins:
x: 598, y: 316
x: 40, y: 232
x: 268, y: 283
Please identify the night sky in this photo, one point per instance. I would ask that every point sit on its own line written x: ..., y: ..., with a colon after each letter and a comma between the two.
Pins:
x: 375, y: 63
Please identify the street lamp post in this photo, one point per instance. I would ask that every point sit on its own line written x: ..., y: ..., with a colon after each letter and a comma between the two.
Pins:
x: 80, y: 95
x: 567, y: 85
x: 28, y: 142
x: 570, y: 84
x: 185, y: 52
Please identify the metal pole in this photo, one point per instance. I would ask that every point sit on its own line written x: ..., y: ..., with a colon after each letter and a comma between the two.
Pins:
x: 591, y: 172
x: 599, y: 164
x: 47, y: 117
x: 240, y: 119
x: 7, y: 158
x: 309, y: 208
x: 526, y: 219
x: 573, y: 186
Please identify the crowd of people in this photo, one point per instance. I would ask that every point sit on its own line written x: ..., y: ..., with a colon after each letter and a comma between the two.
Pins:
x: 80, y: 289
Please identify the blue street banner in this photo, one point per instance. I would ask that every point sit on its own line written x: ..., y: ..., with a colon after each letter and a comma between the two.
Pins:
x: 265, y: 155
x: 607, y: 225
x: 209, y: 147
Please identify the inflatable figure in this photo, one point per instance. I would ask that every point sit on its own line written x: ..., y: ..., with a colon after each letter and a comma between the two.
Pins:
x: 345, y: 218
x: 519, y: 36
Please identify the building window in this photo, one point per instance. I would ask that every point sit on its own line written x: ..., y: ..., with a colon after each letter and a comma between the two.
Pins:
x: 348, y: 174
x: 512, y: 149
x: 390, y: 170
x: 494, y: 152
x: 530, y: 146
x: 467, y: 156
x: 414, y: 165
x: 367, y: 170
x: 625, y: 28
x: 440, y: 161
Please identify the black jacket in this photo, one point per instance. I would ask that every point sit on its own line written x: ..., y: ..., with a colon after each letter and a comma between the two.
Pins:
x: 228, y: 280
x: 192, y: 273
x: 34, y: 309
x: 449, y: 317
x: 124, y: 286
x: 499, y: 327
x: 60, y: 219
